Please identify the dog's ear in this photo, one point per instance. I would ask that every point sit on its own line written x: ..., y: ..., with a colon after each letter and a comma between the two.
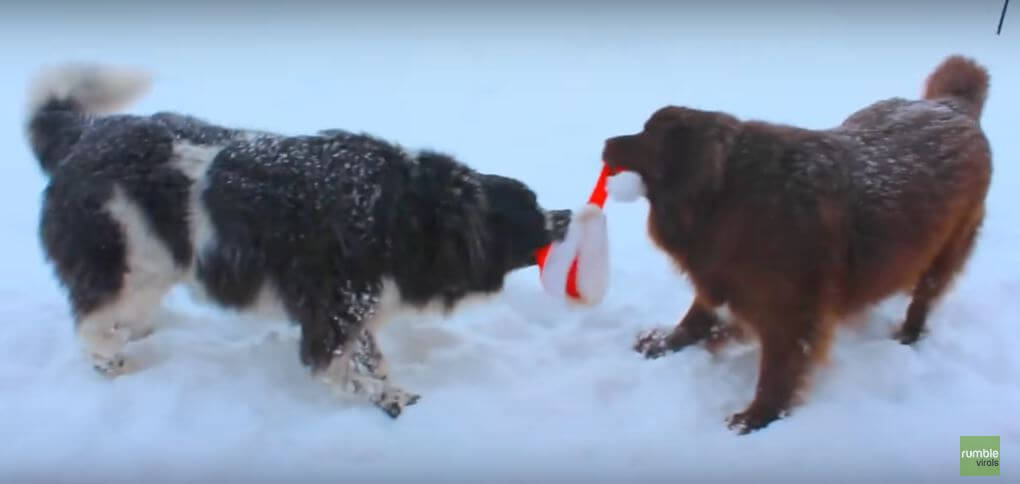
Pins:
x: 692, y: 157
x: 457, y: 231
x: 464, y: 234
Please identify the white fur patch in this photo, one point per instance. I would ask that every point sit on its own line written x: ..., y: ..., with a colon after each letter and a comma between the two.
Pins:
x: 268, y: 305
x: 96, y: 88
x: 151, y: 272
x: 194, y: 161
x: 626, y: 186
x: 149, y: 262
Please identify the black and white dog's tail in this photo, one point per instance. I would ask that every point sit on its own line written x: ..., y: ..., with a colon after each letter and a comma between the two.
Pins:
x: 61, y: 98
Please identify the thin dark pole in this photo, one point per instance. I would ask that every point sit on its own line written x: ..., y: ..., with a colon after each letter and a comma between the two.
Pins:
x: 1002, y: 16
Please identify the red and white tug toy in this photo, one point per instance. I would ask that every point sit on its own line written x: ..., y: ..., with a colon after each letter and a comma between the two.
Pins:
x: 577, y: 267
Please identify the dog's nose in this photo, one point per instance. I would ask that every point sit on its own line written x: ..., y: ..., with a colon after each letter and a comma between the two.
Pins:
x: 608, y: 149
x: 611, y: 151
x: 557, y: 222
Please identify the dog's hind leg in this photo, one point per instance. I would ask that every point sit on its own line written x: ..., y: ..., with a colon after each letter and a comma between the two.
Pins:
x: 790, y: 346
x: 116, y: 270
x: 125, y: 318
x: 935, y: 280
x: 149, y: 275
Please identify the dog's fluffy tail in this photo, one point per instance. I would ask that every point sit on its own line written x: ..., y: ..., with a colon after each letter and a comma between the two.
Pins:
x: 960, y: 78
x: 86, y: 88
x: 61, y: 97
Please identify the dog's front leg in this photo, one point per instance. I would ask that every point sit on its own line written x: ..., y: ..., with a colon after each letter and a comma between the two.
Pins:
x: 337, y: 342
x: 700, y: 324
x: 362, y: 370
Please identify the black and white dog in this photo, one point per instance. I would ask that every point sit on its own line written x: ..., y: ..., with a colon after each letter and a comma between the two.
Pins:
x: 340, y: 231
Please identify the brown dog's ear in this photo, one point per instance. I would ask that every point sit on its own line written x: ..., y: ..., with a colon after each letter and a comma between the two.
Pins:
x: 692, y: 158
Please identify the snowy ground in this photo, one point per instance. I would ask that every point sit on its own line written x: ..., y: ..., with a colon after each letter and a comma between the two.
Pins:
x: 520, y: 387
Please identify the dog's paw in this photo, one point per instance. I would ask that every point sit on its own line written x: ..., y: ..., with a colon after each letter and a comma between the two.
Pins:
x: 393, y: 401
x: 109, y: 366
x: 750, y: 420
x: 906, y: 336
x: 653, y: 343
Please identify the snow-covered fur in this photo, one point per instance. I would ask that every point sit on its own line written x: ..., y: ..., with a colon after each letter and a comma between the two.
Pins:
x: 340, y: 231
x: 796, y: 230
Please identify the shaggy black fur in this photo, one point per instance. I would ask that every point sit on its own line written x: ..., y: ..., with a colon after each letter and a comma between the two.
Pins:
x: 326, y: 221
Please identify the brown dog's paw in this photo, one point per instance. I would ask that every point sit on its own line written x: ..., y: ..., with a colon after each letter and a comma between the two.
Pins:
x: 653, y: 343
x: 907, y: 336
x: 751, y: 420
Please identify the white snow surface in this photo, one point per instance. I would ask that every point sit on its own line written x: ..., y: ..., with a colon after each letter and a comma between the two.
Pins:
x: 522, y: 387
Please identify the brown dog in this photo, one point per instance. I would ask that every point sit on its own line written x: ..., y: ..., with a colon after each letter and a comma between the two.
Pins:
x: 795, y: 229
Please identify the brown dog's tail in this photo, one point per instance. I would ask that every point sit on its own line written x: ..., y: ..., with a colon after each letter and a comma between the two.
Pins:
x: 962, y: 79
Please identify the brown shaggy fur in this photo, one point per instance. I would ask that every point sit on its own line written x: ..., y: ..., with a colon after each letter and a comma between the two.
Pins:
x: 795, y: 229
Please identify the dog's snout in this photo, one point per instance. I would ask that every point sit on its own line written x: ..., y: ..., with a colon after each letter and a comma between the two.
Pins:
x: 609, y: 149
x: 557, y: 222
x: 615, y: 151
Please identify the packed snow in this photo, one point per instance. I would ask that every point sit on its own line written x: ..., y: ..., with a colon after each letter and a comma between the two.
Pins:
x: 522, y: 387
